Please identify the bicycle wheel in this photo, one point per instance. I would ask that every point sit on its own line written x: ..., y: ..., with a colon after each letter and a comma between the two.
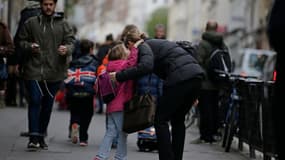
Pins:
x: 232, y: 126
x: 225, y: 135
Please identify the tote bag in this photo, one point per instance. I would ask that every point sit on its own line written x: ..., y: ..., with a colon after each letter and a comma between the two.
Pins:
x: 139, y: 113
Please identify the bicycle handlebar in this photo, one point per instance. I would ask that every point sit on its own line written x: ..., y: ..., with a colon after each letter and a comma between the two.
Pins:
x: 233, y: 77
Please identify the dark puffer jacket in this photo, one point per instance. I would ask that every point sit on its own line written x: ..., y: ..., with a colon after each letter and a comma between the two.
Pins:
x: 170, y: 62
x: 143, y: 67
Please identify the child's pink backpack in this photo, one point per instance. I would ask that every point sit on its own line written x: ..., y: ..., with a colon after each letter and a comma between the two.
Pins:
x: 106, y: 88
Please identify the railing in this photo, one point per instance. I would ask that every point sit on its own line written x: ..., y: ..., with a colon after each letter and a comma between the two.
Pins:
x: 255, y: 125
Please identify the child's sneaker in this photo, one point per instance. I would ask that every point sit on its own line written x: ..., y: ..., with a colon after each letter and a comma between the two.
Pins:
x: 74, y: 133
x: 96, y: 158
x: 83, y: 144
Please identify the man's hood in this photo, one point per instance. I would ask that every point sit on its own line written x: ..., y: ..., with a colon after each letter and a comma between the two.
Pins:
x: 213, y: 37
x: 32, y: 4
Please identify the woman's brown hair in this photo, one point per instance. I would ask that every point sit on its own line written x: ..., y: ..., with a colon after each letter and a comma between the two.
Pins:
x: 127, y: 29
x: 133, y: 36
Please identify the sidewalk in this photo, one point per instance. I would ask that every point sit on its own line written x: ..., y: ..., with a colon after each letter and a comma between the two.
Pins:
x: 13, y: 147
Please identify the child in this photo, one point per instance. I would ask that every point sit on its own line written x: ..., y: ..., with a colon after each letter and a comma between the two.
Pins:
x: 80, y: 92
x: 147, y: 140
x: 119, y: 59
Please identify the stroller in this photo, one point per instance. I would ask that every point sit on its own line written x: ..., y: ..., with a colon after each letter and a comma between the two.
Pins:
x: 147, y: 140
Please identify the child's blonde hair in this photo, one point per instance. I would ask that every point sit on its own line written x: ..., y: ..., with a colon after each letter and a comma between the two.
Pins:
x: 117, y: 52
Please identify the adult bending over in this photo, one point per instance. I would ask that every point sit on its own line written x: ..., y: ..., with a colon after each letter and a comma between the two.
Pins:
x: 182, y: 77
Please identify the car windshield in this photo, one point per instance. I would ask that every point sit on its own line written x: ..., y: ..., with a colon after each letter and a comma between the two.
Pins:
x: 257, y: 61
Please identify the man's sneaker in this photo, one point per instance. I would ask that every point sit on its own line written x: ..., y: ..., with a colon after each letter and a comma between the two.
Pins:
x: 43, y: 144
x: 74, y: 133
x: 33, y: 144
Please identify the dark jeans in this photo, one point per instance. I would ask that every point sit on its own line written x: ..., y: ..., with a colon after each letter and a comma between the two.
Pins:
x: 173, y: 106
x: 40, y: 96
x: 209, y: 114
x: 81, y: 110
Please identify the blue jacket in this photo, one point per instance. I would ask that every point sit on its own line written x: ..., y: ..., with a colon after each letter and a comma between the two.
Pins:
x: 150, y: 83
x: 81, y: 76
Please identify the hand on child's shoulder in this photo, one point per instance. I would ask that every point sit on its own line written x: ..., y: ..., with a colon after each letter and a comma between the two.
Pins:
x: 138, y: 43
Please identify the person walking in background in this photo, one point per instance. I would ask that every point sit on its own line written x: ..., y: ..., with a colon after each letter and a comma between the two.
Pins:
x: 47, y: 42
x: 32, y: 8
x: 182, y: 76
x: 75, y: 55
x: 159, y: 31
x: 209, y: 98
x: 276, y: 34
x: 119, y: 59
x: 104, y: 48
x: 6, y: 49
x: 80, y: 93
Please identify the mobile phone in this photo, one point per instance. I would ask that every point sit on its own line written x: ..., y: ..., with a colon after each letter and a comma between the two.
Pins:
x: 36, y: 45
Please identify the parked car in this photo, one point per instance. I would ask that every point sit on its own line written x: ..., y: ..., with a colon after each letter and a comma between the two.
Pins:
x: 256, y: 62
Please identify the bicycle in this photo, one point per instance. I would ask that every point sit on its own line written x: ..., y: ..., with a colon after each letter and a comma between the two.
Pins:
x: 231, y: 124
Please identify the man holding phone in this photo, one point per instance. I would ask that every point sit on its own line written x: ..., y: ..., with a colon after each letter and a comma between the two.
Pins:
x: 47, y: 41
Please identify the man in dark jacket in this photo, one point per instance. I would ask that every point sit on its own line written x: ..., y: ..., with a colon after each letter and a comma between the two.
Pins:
x: 208, y: 100
x: 104, y: 48
x: 47, y: 43
x: 32, y: 8
x: 182, y: 77
x: 276, y: 35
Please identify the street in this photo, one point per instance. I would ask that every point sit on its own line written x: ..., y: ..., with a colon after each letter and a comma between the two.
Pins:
x: 13, y: 147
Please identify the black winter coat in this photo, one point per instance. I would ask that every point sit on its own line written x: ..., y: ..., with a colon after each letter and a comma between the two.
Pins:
x: 170, y: 62
x: 143, y: 67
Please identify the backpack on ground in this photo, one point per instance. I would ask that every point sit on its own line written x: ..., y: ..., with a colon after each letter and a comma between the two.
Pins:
x: 219, y: 65
x: 80, y: 81
x: 190, y: 47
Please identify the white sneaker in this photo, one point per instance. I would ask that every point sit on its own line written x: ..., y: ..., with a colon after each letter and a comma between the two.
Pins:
x: 74, y: 133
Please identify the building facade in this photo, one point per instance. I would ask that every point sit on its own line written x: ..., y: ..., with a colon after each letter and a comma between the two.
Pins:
x: 243, y: 22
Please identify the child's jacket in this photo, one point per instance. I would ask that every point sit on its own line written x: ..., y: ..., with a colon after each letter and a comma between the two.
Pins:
x: 124, y: 89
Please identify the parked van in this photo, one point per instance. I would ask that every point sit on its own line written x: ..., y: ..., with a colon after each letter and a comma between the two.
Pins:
x: 255, y: 62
